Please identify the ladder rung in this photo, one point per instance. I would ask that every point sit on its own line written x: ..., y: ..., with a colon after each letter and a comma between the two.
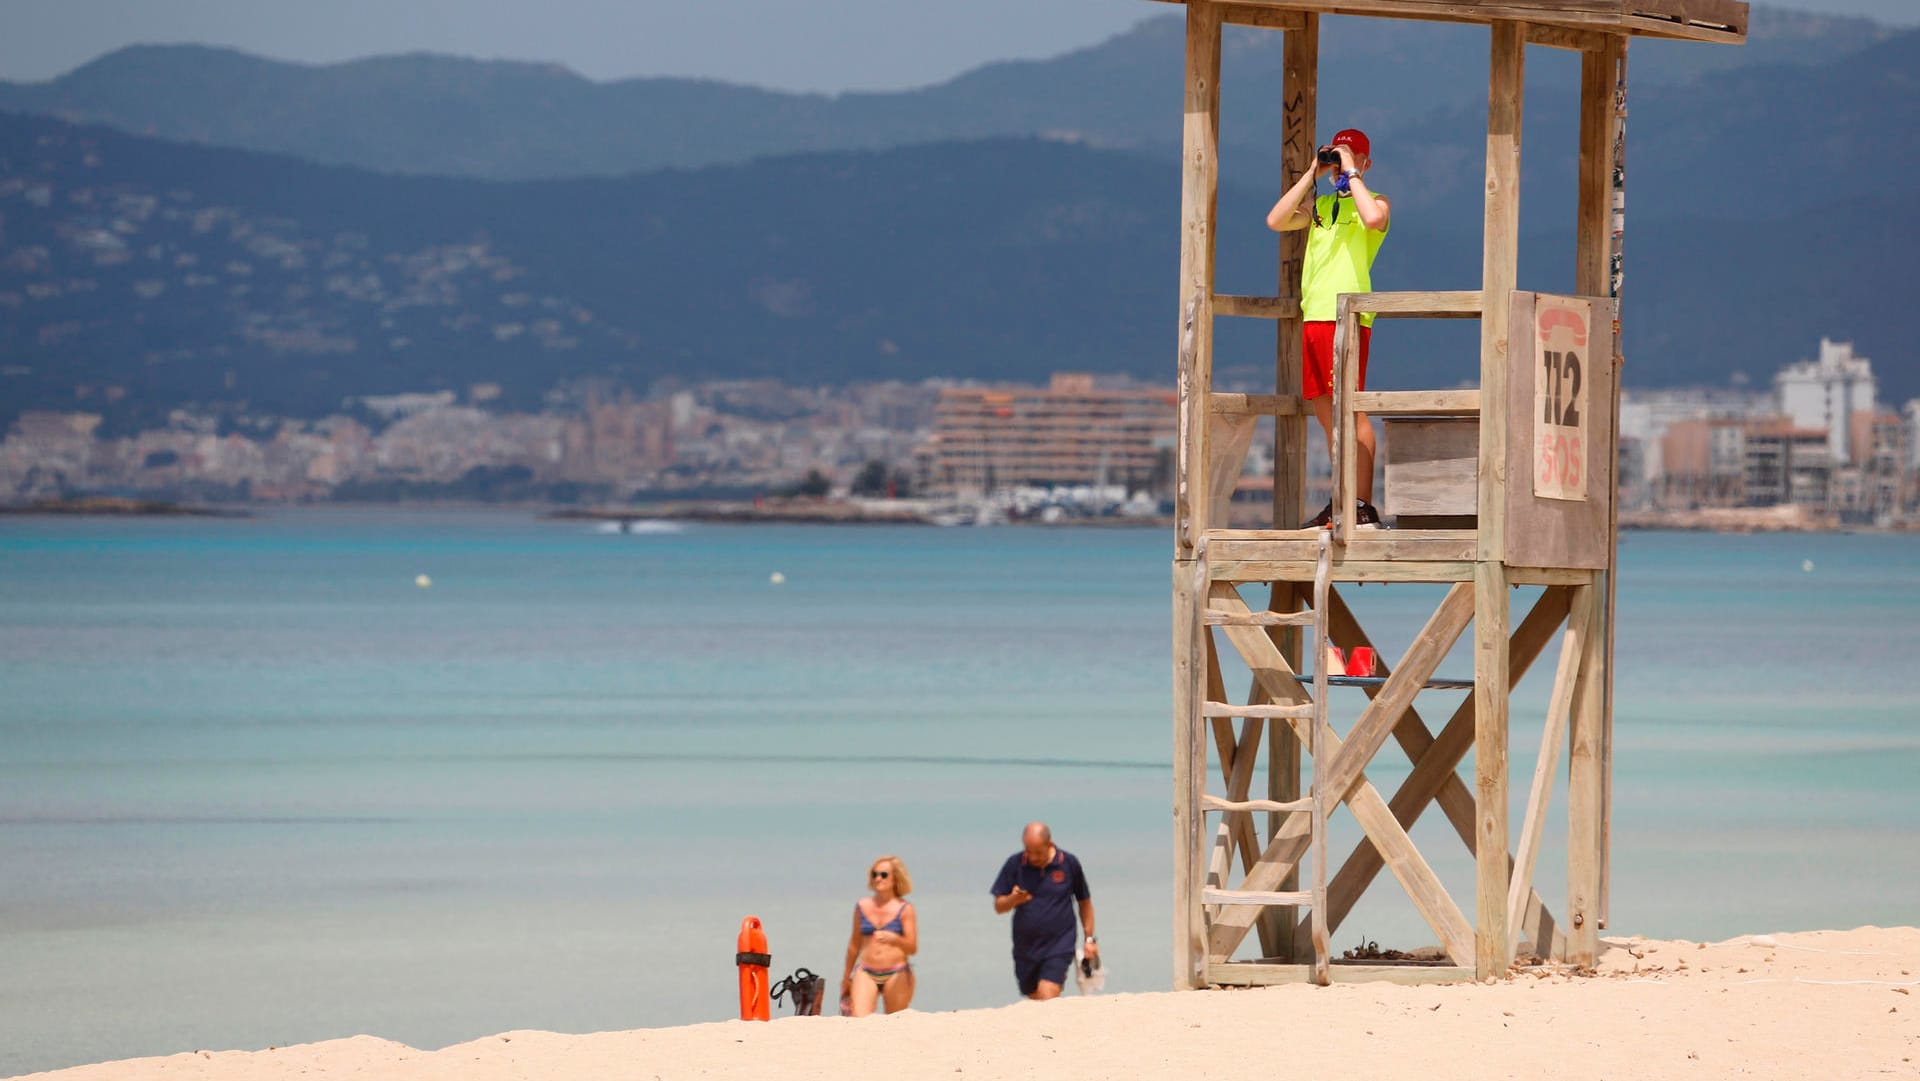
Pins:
x: 1302, y: 712
x: 1217, y: 618
x: 1215, y: 803
x: 1295, y: 899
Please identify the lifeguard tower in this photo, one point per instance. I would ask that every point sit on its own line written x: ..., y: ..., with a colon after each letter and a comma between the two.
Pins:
x: 1510, y: 484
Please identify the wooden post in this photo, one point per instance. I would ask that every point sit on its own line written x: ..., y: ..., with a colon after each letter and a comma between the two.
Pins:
x: 1500, y: 257
x: 1584, y: 791
x: 1299, y: 96
x: 1199, y: 188
x: 1300, y: 91
x: 1189, y: 769
x: 1616, y: 265
x: 1600, y: 72
x: 1494, y: 945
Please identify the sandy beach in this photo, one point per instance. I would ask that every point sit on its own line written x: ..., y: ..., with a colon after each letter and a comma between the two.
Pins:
x: 1824, y: 1004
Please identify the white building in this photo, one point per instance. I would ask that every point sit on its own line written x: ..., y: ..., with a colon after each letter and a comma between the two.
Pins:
x: 1826, y: 393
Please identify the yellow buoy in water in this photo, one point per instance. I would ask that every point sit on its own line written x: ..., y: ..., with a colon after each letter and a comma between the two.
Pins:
x: 777, y: 578
x: 422, y: 581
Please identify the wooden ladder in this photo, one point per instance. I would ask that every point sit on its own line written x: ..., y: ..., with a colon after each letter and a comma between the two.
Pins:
x: 1314, y: 712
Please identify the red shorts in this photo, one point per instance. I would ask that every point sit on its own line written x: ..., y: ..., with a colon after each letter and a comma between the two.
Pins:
x: 1316, y: 358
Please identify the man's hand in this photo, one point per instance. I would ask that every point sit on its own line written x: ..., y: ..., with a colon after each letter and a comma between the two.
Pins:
x: 1093, y: 949
x: 1018, y: 897
x: 1346, y: 159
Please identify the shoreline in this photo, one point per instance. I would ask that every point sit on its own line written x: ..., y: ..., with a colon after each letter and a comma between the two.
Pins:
x: 1816, y: 1004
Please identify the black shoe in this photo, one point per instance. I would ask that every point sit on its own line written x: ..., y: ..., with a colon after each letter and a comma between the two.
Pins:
x: 1321, y: 520
x: 1365, y: 515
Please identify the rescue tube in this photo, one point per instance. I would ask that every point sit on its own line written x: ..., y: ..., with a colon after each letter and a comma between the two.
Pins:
x: 750, y: 954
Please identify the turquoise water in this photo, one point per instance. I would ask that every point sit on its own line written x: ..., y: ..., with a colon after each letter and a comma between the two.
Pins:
x: 258, y: 788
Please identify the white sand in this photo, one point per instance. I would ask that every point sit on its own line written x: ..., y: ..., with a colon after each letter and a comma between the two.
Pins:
x: 1828, y: 1004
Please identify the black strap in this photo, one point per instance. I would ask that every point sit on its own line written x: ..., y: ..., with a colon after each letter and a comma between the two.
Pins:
x: 753, y: 959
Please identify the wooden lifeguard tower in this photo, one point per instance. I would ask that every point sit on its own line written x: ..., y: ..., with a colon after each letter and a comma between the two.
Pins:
x: 1524, y: 497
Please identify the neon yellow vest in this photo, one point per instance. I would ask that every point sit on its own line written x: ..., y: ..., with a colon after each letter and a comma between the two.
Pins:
x: 1339, y: 260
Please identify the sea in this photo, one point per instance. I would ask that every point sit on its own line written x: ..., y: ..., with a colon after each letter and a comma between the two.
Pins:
x: 434, y: 774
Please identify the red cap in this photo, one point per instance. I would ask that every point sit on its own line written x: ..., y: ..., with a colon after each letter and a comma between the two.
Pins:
x: 1355, y: 140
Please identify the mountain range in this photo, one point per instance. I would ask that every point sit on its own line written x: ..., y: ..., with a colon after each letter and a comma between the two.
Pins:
x: 504, y: 120
x: 140, y: 274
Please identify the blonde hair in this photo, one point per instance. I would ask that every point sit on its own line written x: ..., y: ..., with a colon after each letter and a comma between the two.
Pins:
x: 902, y: 882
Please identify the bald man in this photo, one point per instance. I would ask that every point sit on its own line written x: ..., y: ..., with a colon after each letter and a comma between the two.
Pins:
x: 1040, y: 885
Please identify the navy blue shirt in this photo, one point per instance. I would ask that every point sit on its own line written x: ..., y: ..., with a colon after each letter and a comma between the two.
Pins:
x: 1043, y: 927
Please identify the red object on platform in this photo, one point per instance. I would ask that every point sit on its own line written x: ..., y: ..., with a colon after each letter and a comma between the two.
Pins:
x: 750, y: 953
x: 1360, y: 661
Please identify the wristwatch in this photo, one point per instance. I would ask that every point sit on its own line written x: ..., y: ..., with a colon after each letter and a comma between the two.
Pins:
x: 1095, y: 939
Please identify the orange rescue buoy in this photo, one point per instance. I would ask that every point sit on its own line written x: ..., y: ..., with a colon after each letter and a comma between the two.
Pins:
x: 750, y: 953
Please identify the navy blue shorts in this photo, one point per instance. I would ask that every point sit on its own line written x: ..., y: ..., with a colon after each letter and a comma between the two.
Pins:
x: 1031, y: 970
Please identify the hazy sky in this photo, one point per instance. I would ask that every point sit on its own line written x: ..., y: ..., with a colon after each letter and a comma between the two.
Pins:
x: 824, y: 45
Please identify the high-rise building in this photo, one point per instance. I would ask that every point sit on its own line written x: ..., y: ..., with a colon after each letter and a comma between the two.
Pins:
x: 1826, y: 392
x: 1071, y: 432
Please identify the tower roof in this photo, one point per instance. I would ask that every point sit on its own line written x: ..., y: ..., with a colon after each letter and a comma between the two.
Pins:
x: 1694, y: 20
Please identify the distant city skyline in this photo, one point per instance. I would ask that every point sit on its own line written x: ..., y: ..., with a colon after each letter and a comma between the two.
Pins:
x: 826, y: 46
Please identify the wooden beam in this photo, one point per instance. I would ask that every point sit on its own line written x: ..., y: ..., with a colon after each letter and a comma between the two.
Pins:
x: 1294, y: 570
x: 1255, y: 307
x: 1640, y: 25
x: 1258, y: 619
x: 1565, y: 37
x: 1547, y: 576
x: 1417, y: 402
x: 1725, y: 15
x: 1199, y: 191
x: 1189, y: 765
x: 1215, y: 803
x: 1255, y: 712
x: 1494, y: 947
x: 1268, y: 898
x: 1299, y: 100
x: 1259, y: 405
x: 1446, y: 304
x: 1615, y: 267
x: 1593, y: 209
x: 1256, y: 974
x: 1407, y: 545
x: 1500, y: 256
x: 1540, y: 793
x: 1229, y: 437
x: 1264, y: 17
x: 1343, y: 448
x: 1584, y: 794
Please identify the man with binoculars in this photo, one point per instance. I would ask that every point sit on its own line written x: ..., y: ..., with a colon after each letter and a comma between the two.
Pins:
x: 1346, y: 229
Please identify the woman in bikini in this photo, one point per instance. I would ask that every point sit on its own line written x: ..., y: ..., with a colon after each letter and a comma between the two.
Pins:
x: 885, y: 936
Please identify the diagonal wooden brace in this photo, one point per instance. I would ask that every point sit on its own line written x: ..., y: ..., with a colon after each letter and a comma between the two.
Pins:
x: 1383, y: 712
x: 1283, y: 852
x: 1435, y: 759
